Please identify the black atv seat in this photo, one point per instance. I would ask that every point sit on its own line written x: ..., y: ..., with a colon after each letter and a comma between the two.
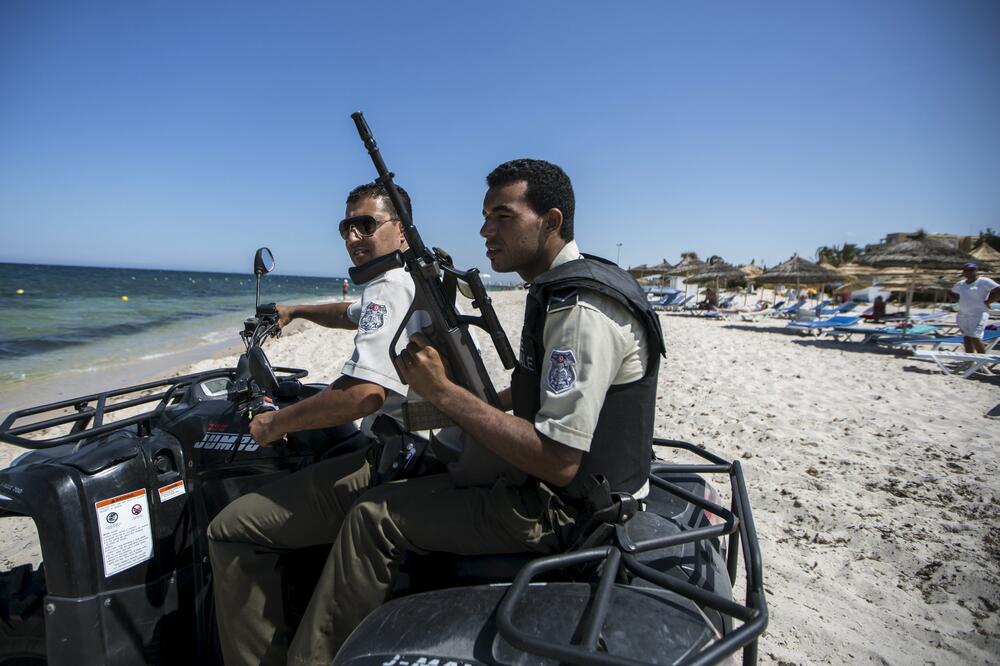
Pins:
x: 450, y: 569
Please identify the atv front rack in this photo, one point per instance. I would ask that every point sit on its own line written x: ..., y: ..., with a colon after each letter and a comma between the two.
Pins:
x: 88, y: 417
x: 737, y: 524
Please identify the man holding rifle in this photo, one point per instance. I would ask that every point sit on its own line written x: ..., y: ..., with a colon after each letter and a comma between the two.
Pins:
x: 583, y: 397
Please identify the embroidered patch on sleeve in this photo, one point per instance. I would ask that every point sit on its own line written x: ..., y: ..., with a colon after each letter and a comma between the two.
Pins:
x: 562, y: 370
x: 373, y: 317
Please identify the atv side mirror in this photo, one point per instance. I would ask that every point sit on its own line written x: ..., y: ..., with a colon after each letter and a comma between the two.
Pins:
x: 263, y: 262
x: 261, y: 371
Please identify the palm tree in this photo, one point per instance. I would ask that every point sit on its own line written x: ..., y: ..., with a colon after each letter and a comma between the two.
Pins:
x: 837, y: 255
x: 989, y: 237
x: 827, y: 254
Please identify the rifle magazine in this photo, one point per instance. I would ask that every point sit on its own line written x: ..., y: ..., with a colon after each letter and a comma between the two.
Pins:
x: 422, y: 415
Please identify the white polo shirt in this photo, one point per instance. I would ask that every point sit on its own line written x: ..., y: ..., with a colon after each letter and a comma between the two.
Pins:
x: 972, y: 297
x: 384, y: 302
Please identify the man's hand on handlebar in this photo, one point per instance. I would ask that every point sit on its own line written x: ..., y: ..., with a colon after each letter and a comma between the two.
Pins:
x: 284, y: 315
x: 264, y: 431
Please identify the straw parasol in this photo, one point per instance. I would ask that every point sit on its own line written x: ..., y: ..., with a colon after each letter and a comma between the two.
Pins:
x: 638, y: 271
x: 720, y: 270
x: 918, y: 253
x: 662, y: 269
x: 987, y: 258
x: 800, y: 270
x: 689, y: 264
x: 750, y: 272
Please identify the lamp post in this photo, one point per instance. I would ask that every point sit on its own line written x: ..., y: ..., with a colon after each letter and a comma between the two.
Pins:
x: 618, y: 260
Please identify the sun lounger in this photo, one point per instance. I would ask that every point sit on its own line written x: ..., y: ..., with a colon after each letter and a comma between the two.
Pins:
x: 877, y: 334
x: 776, y: 310
x: 791, y: 310
x: 679, y: 305
x: 820, y: 324
x: 757, y: 315
x: 667, y: 301
x: 928, y: 316
x: 959, y: 363
x: 990, y: 340
x: 843, y: 309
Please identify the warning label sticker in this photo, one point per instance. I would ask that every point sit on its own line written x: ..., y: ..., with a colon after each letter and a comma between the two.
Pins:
x: 175, y: 489
x: 126, y: 536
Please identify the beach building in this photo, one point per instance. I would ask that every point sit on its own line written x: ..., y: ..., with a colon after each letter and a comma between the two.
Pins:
x: 954, y: 241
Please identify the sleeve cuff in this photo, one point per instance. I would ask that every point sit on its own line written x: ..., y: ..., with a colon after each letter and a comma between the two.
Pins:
x: 564, y: 435
x: 352, y: 369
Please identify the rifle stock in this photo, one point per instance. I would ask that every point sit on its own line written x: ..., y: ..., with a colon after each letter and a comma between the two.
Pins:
x: 435, y: 280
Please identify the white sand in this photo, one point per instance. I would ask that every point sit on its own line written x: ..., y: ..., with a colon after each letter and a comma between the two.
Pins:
x: 873, y: 480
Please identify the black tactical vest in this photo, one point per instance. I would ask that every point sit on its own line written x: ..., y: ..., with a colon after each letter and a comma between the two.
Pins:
x: 622, y: 446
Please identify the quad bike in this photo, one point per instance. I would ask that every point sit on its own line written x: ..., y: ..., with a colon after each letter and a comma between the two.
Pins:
x: 122, y: 507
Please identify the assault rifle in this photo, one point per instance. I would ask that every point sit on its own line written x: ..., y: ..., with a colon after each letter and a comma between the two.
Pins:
x: 436, y: 281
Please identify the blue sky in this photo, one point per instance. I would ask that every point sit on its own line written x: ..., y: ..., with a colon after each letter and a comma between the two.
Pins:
x: 179, y: 135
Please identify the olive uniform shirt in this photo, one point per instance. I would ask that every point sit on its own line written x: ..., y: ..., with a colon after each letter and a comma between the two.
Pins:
x: 592, y: 342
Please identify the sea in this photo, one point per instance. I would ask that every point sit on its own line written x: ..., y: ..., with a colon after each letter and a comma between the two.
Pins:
x: 73, y: 326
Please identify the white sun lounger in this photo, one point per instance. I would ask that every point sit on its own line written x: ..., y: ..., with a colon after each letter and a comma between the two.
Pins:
x: 948, y: 361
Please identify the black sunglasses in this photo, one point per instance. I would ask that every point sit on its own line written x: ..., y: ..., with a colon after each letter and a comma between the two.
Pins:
x: 365, y: 225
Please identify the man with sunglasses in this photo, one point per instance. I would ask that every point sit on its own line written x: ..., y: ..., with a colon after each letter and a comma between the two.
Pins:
x: 307, y: 508
x: 369, y: 384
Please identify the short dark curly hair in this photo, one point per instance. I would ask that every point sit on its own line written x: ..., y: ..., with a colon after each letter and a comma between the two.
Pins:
x: 548, y: 187
x: 376, y: 190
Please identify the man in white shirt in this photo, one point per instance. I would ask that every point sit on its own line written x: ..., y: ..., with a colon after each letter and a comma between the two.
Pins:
x: 974, y: 297
x: 307, y: 508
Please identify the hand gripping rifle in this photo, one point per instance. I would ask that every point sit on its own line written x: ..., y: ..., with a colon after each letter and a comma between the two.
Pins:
x: 436, y: 281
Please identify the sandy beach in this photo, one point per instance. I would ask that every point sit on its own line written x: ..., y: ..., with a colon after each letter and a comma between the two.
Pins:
x: 873, y: 479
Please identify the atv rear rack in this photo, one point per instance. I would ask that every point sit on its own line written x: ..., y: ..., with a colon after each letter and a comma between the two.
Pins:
x: 90, y: 410
x: 737, y: 524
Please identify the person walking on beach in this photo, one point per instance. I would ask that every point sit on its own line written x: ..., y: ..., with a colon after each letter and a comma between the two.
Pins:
x: 344, y: 289
x: 305, y: 509
x: 975, y: 294
x: 583, y: 396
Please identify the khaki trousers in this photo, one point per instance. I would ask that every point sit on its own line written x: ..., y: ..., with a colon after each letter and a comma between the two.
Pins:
x: 370, y: 531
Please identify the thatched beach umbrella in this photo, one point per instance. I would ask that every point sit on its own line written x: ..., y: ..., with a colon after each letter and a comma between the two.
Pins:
x: 750, y: 273
x: 919, y: 254
x: 855, y: 271
x: 798, y: 270
x: 640, y: 271
x: 689, y: 264
x: 987, y: 258
x: 661, y: 270
x: 720, y: 270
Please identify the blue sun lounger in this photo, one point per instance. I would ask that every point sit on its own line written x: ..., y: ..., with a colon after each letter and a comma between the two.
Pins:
x: 668, y: 300
x: 820, y: 324
x: 876, y: 334
x: 843, y: 309
x: 990, y: 340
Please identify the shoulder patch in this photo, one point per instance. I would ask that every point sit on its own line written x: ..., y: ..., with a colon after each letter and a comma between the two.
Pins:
x: 562, y: 370
x: 373, y: 317
x: 563, y: 298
